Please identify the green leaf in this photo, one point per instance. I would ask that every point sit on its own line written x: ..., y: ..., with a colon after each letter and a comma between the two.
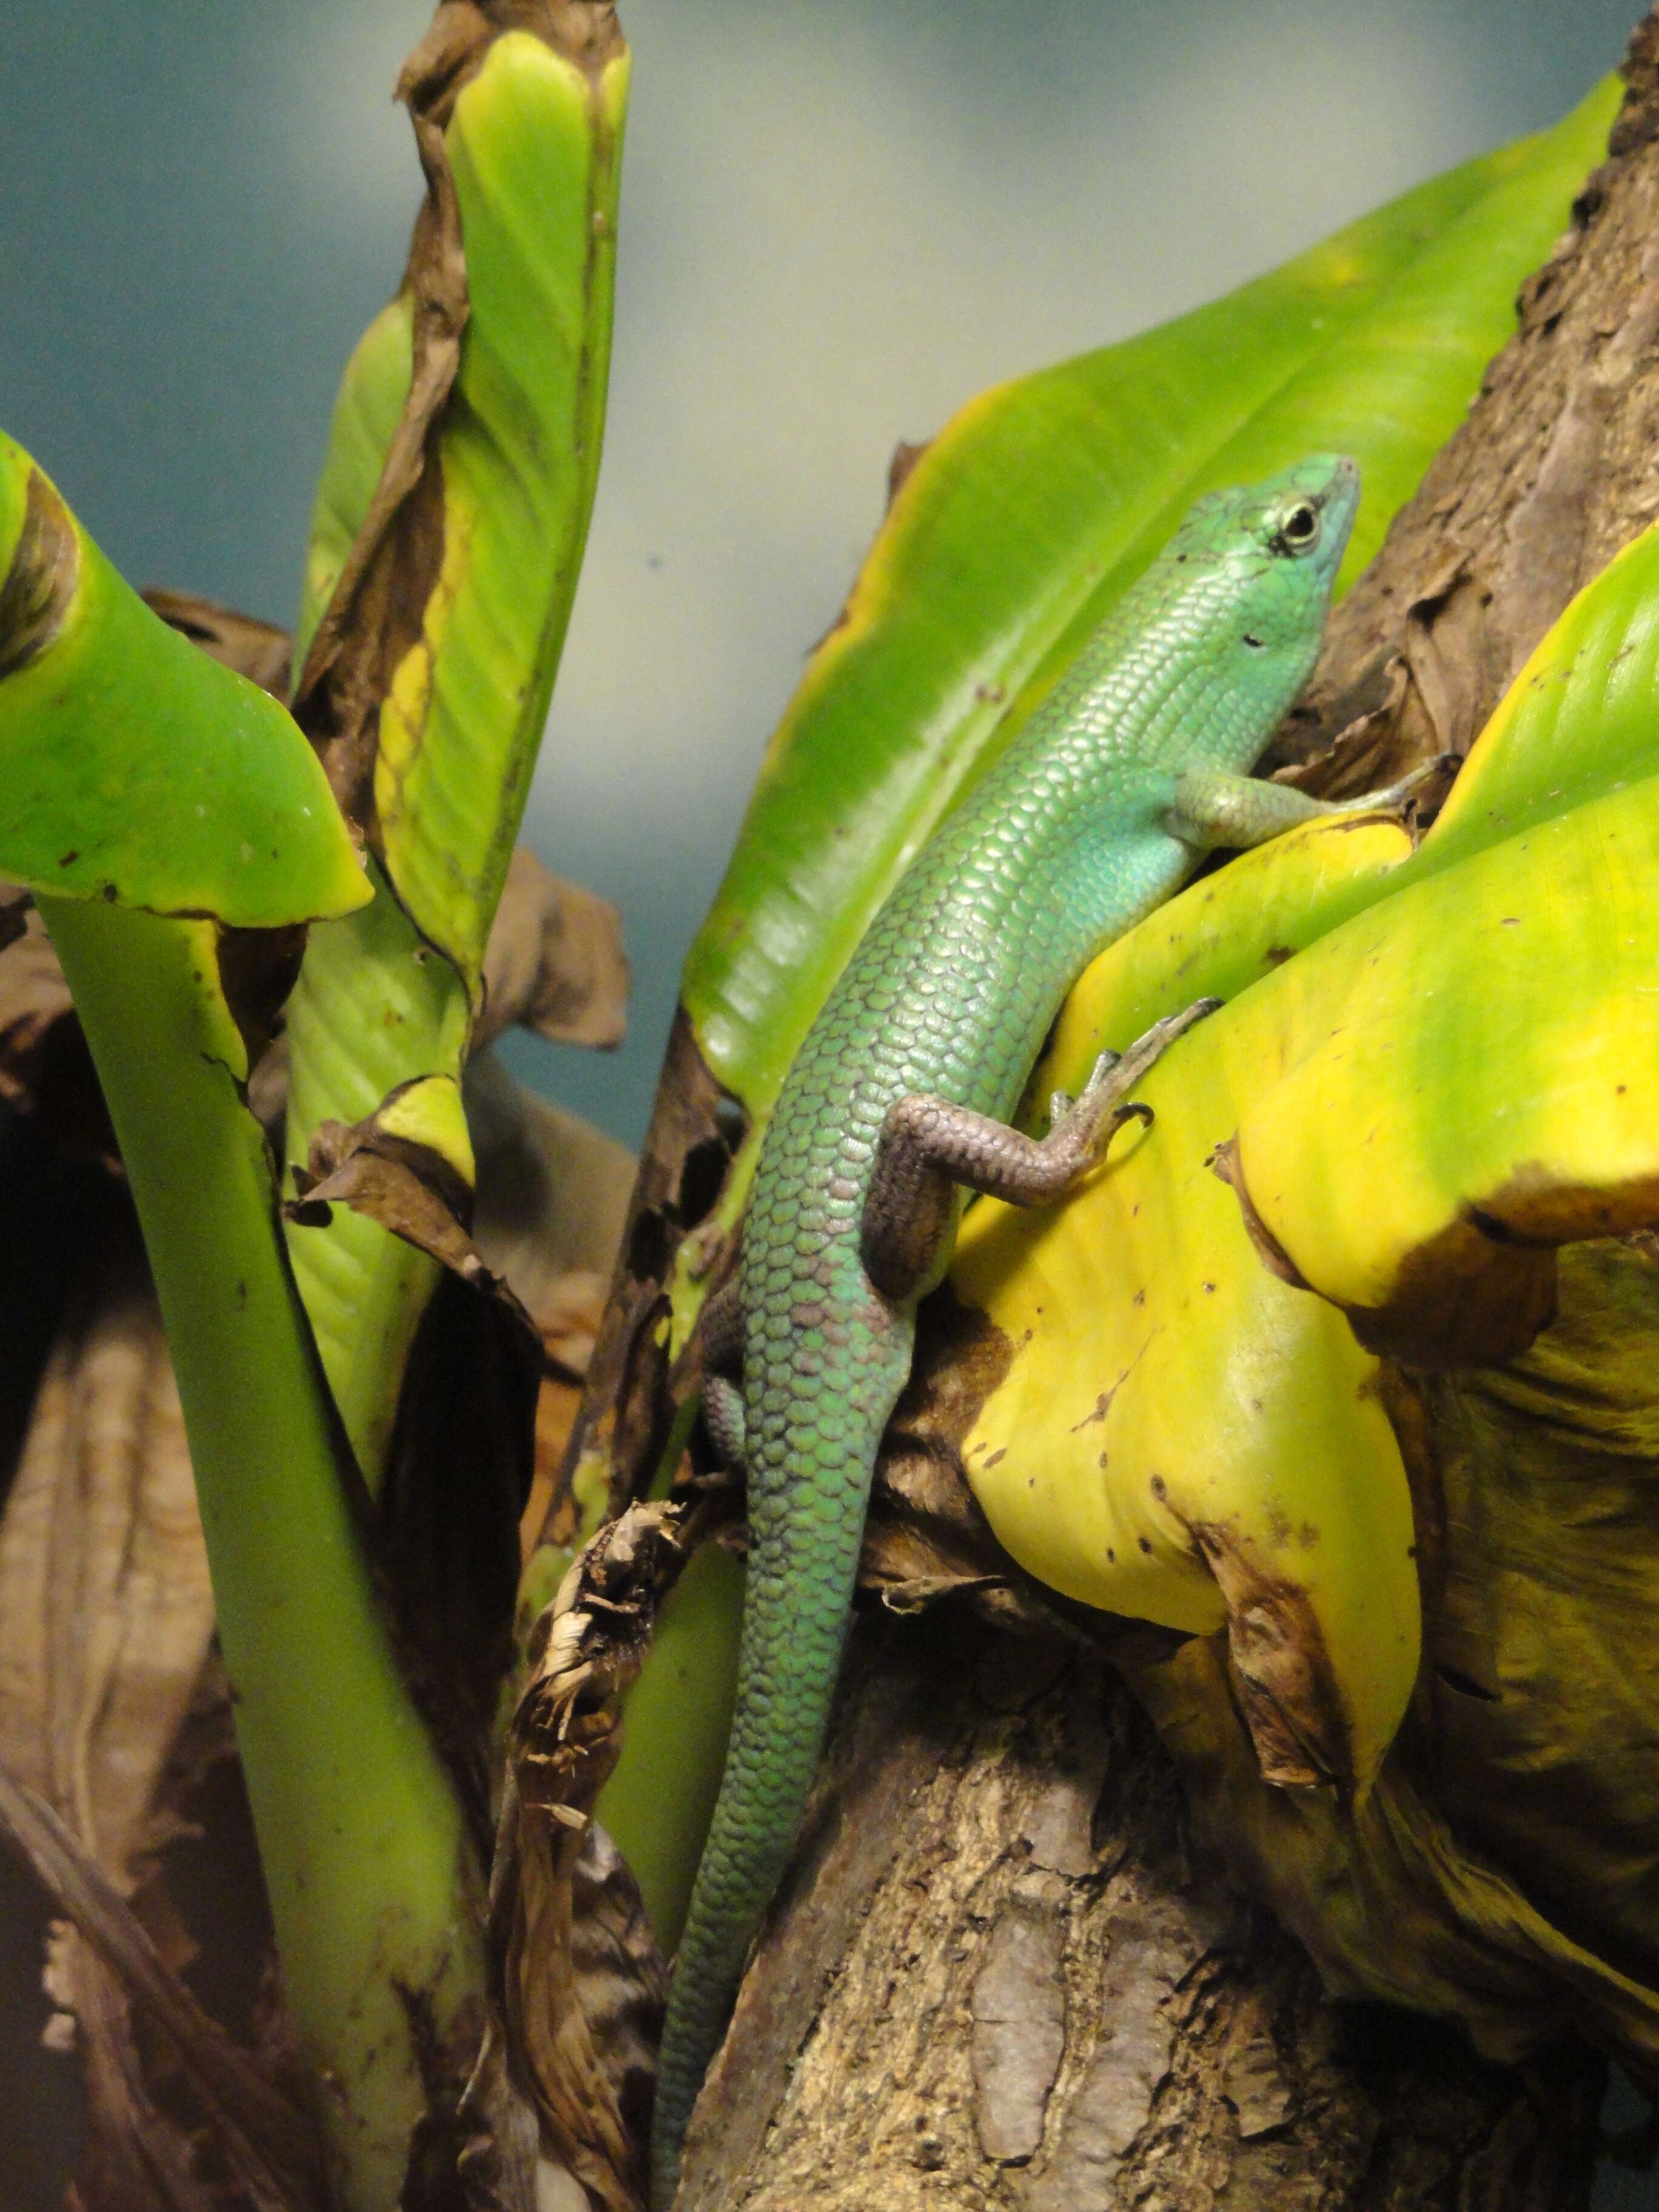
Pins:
x: 1453, y: 1075
x: 371, y: 395
x: 133, y: 769
x: 535, y: 146
x: 533, y: 142
x: 1038, y: 504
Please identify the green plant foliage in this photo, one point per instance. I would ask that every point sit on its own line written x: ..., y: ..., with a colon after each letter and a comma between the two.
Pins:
x: 1453, y: 1075
x: 1038, y: 504
x: 133, y: 769
x: 386, y: 997
x: 371, y: 397
x: 531, y: 136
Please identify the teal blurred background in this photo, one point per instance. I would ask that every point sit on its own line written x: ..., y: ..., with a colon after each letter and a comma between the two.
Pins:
x: 839, y: 221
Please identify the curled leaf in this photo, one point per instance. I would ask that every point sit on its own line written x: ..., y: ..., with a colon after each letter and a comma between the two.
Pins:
x: 409, y: 1167
x: 111, y: 722
x: 589, y: 2052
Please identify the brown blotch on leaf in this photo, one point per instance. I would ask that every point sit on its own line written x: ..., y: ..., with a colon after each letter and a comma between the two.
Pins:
x: 901, y: 467
x: 1223, y: 1162
x: 1280, y: 1671
x: 36, y: 596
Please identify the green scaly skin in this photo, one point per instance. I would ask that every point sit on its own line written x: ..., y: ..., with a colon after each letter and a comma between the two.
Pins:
x: 1062, y: 849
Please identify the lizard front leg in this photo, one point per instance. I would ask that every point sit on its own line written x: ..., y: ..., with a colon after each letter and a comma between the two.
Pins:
x: 1212, y: 810
x: 928, y: 1145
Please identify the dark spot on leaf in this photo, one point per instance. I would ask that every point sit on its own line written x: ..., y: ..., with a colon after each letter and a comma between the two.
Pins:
x: 731, y: 1122
x: 1143, y: 1543
x: 648, y: 1247
x: 702, y: 1179
x: 69, y: 859
x: 1466, y: 1685
x: 997, y: 1456
x: 1277, y: 955
x: 1101, y: 1408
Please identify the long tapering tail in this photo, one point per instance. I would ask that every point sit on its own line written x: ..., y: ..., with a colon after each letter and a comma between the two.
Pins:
x: 807, y: 1499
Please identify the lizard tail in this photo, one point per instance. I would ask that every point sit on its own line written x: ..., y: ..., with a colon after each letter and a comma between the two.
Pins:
x: 806, y: 1524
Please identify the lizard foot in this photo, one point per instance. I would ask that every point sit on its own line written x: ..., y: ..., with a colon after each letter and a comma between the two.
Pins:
x: 928, y: 1143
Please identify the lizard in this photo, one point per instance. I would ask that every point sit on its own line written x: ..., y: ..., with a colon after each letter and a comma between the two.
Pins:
x: 898, y: 1101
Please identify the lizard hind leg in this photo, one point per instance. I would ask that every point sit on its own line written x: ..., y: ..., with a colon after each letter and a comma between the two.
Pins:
x: 723, y: 1422
x: 928, y: 1142
x: 721, y: 1329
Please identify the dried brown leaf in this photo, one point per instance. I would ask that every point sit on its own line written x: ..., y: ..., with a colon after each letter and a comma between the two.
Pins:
x: 106, y: 1608
x: 374, y: 615
x: 45, y: 1066
x: 409, y: 1189
x: 580, y: 1984
x: 555, y: 962
x: 256, y: 649
x: 552, y: 1197
x: 272, y: 2144
x: 106, y: 1629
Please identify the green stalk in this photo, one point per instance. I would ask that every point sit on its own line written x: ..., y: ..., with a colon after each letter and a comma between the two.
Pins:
x: 374, y: 1890
x: 148, y: 796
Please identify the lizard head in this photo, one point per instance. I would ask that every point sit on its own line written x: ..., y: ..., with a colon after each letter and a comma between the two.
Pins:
x: 1260, y: 562
x: 1297, y: 521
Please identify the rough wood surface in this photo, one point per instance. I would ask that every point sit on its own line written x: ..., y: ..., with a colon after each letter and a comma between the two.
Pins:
x: 1550, y: 474
x: 996, y: 1980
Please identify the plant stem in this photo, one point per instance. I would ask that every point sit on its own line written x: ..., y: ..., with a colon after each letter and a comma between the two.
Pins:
x: 374, y: 1890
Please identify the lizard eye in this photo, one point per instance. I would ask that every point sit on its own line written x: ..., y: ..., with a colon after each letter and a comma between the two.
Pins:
x: 1298, y: 531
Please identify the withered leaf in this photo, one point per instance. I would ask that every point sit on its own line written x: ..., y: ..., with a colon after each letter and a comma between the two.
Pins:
x: 256, y: 649
x: 407, y: 1188
x: 555, y: 962
x: 580, y: 1983
x: 271, y: 2140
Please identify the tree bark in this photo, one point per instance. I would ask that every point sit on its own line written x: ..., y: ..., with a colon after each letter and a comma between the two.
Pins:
x: 996, y: 1978
x: 997, y: 1975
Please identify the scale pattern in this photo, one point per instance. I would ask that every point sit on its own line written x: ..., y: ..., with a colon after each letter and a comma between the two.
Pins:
x: 1060, y: 850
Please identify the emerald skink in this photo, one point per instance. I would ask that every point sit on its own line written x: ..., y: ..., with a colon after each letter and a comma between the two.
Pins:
x: 1134, y: 766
